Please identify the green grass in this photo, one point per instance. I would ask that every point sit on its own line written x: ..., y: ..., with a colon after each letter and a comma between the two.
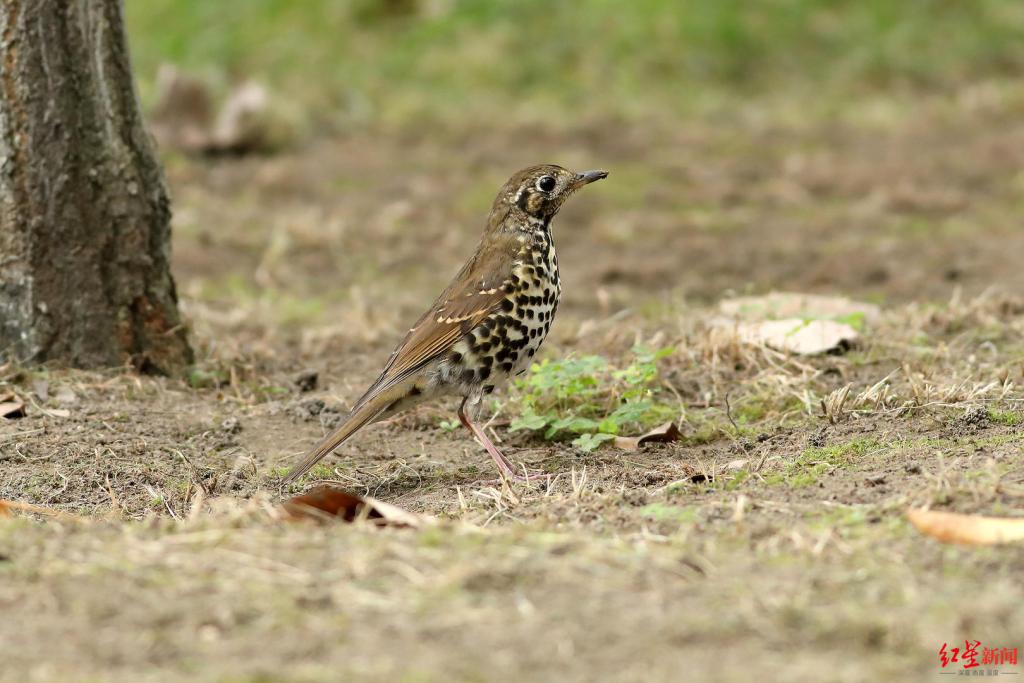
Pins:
x: 1009, y: 418
x: 660, y: 512
x: 813, y: 462
x: 555, y: 62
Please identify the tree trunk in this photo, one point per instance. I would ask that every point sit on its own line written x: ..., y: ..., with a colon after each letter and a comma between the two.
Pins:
x: 84, y: 216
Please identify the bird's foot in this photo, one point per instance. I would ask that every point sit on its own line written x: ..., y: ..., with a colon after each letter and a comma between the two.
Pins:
x: 508, y: 469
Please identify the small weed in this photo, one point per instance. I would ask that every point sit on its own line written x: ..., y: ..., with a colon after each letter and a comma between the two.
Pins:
x: 321, y: 471
x: 198, y: 378
x: 590, y: 398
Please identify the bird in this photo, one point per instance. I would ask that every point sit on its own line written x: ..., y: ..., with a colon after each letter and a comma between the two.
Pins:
x: 486, y: 326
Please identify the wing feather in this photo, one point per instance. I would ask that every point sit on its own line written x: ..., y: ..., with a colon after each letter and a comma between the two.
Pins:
x: 475, y: 293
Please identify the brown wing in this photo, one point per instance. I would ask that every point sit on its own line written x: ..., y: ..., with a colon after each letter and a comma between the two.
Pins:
x: 476, y: 292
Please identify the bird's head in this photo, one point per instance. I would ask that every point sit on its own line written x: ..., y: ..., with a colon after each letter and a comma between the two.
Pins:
x: 538, y: 192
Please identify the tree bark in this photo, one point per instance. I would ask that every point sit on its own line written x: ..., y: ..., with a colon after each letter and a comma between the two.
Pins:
x: 84, y: 215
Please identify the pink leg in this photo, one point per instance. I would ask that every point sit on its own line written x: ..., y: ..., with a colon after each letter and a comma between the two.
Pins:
x: 506, y: 467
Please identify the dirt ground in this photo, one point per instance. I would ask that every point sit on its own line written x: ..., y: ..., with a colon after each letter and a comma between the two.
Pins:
x: 770, y: 542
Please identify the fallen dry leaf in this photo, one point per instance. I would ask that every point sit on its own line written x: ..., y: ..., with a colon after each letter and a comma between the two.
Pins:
x: 11, y: 406
x: 660, y: 434
x: 804, y: 324
x: 952, y: 527
x: 332, y: 503
x: 802, y: 337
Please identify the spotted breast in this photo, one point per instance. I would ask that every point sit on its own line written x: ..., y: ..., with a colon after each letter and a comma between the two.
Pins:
x: 506, y: 341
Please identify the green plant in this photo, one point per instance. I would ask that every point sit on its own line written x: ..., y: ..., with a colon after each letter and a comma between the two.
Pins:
x: 814, y: 462
x: 590, y: 398
x: 1009, y: 418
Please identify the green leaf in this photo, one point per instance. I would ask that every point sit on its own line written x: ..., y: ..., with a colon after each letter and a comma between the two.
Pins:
x: 630, y: 412
x: 664, y: 352
x: 589, y: 442
x: 575, y: 424
x: 530, y: 421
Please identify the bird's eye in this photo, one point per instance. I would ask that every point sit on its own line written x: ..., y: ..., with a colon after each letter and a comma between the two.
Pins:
x: 546, y: 183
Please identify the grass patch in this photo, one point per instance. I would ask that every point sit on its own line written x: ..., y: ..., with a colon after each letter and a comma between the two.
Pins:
x: 814, y: 462
x: 660, y: 512
x: 864, y: 522
x: 1009, y: 418
x: 400, y: 60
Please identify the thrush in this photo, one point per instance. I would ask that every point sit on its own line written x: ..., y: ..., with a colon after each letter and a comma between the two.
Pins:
x: 489, y: 322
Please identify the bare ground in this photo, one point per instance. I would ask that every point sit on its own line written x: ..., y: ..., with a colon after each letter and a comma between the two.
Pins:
x: 771, y: 542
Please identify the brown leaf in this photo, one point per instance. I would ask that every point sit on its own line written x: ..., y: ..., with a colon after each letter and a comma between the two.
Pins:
x: 331, y: 503
x: 660, y: 434
x: 951, y: 527
x: 11, y: 406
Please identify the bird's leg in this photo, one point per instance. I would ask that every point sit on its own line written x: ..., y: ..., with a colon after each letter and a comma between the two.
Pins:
x: 506, y: 467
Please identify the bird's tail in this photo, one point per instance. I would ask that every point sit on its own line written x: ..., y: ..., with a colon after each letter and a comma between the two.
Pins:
x: 364, y: 412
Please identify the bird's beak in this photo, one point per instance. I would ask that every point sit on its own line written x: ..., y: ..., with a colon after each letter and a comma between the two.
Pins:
x: 588, y: 177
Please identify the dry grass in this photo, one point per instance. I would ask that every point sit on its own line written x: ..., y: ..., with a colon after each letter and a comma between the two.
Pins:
x: 781, y: 534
